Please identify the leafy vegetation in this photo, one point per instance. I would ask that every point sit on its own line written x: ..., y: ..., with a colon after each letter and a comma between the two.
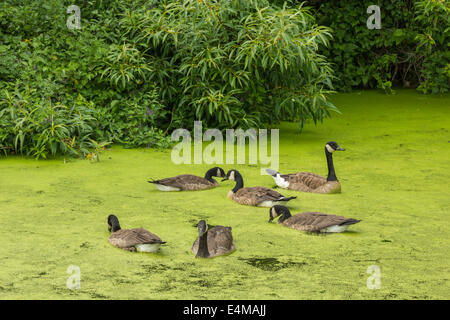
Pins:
x: 137, y: 69
x: 53, y: 96
x: 231, y: 63
x: 411, y: 48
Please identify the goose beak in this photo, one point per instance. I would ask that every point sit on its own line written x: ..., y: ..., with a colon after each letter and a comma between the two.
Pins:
x: 270, y: 220
x: 340, y: 148
x: 224, y: 179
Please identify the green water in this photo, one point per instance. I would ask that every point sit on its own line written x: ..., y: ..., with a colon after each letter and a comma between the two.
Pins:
x: 395, y: 178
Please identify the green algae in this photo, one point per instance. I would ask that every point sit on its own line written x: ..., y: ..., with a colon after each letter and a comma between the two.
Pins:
x: 394, y: 178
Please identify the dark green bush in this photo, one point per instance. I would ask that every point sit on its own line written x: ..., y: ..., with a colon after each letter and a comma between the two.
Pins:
x: 411, y: 48
x: 139, y: 68
x: 229, y: 63
x: 47, y: 69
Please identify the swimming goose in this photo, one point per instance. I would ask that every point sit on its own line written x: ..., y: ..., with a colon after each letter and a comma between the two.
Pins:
x: 311, y: 221
x: 253, y: 196
x: 189, y: 182
x: 132, y: 239
x: 310, y: 182
x: 212, y: 242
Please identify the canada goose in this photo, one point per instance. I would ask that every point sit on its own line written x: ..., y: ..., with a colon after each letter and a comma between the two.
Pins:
x: 310, y: 182
x: 189, y: 181
x: 132, y: 239
x: 254, y: 196
x: 311, y: 221
x: 214, y: 242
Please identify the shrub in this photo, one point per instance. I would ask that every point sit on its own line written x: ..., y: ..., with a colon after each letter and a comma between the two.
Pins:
x: 229, y: 63
x: 411, y: 49
x: 47, y: 70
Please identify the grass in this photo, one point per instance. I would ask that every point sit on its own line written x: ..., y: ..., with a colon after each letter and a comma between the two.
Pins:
x: 394, y: 178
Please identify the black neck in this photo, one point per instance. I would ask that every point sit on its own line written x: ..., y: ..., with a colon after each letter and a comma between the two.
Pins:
x: 203, y: 246
x: 331, y: 174
x: 284, y: 216
x: 239, y: 182
x: 115, y: 226
x: 209, y: 174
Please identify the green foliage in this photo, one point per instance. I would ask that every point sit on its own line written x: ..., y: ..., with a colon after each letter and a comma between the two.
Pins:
x: 40, y: 127
x: 433, y: 17
x: 229, y: 63
x: 50, y: 72
x: 411, y: 48
x: 139, y: 68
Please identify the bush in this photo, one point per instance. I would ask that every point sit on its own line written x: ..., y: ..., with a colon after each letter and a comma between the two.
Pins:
x: 411, y: 49
x: 229, y: 63
x: 40, y: 128
x: 47, y: 70
x: 433, y: 18
x: 139, y: 68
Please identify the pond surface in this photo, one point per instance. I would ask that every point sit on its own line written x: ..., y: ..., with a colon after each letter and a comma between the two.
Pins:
x: 395, y: 177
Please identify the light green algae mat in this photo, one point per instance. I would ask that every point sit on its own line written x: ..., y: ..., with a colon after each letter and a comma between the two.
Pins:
x: 395, y: 177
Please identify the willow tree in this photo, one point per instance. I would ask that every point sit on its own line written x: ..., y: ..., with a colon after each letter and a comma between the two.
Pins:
x: 234, y: 63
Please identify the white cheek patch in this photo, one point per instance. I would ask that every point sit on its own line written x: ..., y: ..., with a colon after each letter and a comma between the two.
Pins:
x: 272, y: 213
x: 329, y: 148
x: 218, y: 173
x: 231, y: 176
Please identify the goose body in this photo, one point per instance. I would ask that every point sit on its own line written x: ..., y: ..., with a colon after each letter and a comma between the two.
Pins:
x: 189, y: 182
x: 311, y: 221
x: 213, y: 242
x: 137, y: 239
x: 253, y: 196
x: 308, y: 181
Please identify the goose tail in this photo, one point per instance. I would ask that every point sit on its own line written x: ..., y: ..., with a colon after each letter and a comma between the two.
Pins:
x: 349, y: 222
x: 153, y: 181
x: 289, y: 198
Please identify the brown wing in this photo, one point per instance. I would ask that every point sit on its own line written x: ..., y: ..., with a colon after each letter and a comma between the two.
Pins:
x: 256, y: 195
x: 220, y: 241
x: 128, y: 238
x: 315, y: 221
x: 186, y: 182
x: 305, y: 181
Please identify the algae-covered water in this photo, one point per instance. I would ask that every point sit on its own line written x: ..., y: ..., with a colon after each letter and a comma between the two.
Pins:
x: 395, y: 177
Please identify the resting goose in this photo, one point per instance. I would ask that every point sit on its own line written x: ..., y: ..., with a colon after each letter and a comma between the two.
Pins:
x: 214, y: 242
x: 254, y: 196
x: 189, y: 182
x: 310, y: 182
x: 311, y: 221
x: 132, y: 239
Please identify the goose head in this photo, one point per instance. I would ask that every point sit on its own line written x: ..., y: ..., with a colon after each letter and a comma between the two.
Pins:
x: 113, y: 223
x: 202, y: 227
x: 218, y: 172
x: 332, y: 146
x: 231, y: 175
x: 277, y: 211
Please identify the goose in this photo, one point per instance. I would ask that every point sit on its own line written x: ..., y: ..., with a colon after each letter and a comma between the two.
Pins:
x: 310, y: 182
x: 212, y: 242
x: 190, y: 182
x: 253, y: 196
x: 137, y: 239
x: 311, y: 221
